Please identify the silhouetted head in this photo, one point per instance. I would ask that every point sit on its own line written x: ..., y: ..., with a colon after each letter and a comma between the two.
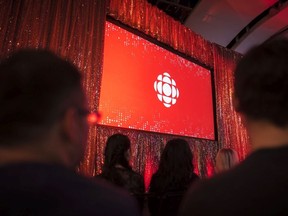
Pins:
x: 176, y: 160
x: 117, y: 151
x: 261, y: 83
x: 226, y: 158
x: 43, y: 107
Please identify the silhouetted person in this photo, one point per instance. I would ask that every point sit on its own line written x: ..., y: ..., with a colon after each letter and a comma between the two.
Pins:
x: 259, y: 184
x: 173, y: 177
x: 226, y: 159
x: 117, y: 170
x: 43, y: 131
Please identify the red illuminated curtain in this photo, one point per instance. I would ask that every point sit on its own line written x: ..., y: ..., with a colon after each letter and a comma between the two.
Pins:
x: 72, y: 29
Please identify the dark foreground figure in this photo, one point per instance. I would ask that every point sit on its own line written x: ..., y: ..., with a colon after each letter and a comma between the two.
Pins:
x: 43, y: 131
x: 259, y: 185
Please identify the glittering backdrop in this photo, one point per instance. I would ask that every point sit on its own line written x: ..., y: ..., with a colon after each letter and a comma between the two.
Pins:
x: 75, y: 30
x: 231, y: 132
x: 72, y: 29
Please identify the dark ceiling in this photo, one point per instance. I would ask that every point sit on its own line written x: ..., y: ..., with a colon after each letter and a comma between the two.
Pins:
x: 178, y: 9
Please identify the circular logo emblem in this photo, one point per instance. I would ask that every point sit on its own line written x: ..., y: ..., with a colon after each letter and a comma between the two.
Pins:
x: 166, y: 89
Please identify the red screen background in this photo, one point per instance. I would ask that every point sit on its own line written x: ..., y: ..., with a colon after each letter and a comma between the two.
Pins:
x: 128, y: 99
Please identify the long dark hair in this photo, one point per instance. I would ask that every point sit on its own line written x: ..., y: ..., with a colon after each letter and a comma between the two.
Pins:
x: 117, y: 146
x: 175, y: 167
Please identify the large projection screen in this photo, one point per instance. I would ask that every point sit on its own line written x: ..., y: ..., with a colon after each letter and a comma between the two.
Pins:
x: 147, y: 87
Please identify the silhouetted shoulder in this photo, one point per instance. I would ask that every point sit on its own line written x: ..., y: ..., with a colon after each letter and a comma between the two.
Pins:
x: 257, y: 186
x: 60, y: 192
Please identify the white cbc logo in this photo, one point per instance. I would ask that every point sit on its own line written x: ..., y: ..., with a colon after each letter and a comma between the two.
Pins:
x: 166, y: 89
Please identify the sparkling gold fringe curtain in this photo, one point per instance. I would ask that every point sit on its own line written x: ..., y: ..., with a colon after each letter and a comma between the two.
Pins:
x: 231, y: 132
x: 72, y: 29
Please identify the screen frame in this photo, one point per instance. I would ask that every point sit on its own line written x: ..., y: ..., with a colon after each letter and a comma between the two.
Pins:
x: 176, y: 52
